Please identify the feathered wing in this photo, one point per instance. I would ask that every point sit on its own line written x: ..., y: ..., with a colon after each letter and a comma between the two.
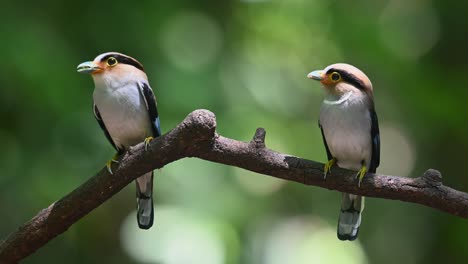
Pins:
x: 375, y: 135
x: 329, y: 155
x: 144, y: 183
x: 152, y: 108
x: 98, y: 117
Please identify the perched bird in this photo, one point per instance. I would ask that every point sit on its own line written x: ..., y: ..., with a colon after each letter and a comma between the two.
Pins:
x: 125, y: 108
x: 350, y: 132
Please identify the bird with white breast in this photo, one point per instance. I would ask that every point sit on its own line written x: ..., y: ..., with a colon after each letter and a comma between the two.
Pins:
x: 350, y: 132
x: 125, y: 108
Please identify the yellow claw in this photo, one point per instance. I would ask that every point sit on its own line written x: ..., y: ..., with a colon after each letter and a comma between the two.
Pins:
x: 327, y: 167
x: 109, y: 163
x: 147, y: 141
x: 361, y: 173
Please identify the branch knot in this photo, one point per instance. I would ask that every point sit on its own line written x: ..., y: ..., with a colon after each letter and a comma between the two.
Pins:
x: 433, y: 177
x: 258, y: 140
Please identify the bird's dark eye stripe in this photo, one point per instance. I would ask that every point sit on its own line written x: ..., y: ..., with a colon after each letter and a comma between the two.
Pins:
x: 124, y: 60
x: 349, y: 78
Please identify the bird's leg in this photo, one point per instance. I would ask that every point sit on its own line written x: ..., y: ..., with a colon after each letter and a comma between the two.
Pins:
x: 147, y: 141
x: 361, y: 173
x: 109, y: 163
x: 327, y: 167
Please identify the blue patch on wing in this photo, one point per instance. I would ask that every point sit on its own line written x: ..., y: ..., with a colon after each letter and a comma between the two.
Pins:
x: 150, y: 100
x: 158, y: 125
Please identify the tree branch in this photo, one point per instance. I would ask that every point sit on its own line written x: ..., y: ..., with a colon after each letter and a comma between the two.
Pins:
x: 196, y: 137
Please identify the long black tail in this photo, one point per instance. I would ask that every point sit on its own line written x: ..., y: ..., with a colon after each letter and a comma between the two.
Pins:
x: 350, y: 216
x: 145, y: 214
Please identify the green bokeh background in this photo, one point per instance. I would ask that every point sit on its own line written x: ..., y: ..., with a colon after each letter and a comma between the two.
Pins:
x: 246, y: 61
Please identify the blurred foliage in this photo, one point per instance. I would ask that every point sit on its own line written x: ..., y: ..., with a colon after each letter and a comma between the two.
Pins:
x: 246, y: 61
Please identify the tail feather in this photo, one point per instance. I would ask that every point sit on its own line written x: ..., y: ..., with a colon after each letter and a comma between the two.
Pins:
x: 145, y: 210
x: 350, y: 216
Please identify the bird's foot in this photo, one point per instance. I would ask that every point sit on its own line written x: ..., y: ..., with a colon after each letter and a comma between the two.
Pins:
x: 327, y: 167
x: 109, y: 163
x: 147, y: 141
x: 361, y: 173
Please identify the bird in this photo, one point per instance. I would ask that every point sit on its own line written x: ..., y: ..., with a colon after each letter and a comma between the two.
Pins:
x: 125, y: 107
x: 350, y: 132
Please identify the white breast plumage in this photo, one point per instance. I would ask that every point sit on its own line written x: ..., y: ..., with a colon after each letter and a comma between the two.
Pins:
x: 124, y: 114
x: 346, y: 127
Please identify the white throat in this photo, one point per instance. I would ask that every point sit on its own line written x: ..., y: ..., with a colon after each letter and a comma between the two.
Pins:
x: 341, y: 100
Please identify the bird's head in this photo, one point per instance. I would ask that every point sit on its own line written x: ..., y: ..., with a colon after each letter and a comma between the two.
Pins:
x: 113, y: 67
x: 341, y: 78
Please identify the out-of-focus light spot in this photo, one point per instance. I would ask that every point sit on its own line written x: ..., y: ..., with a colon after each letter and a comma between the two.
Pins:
x: 75, y: 125
x: 177, y: 237
x: 194, y: 175
x: 321, y: 51
x: 278, y: 130
x: 254, y: 1
x: 397, y: 153
x: 10, y: 157
x: 282, y: 44
x: 308, y: 240
x: 266, y: 83
x: 380, y: 223
x: 274, y: 78
x: 191, y: 40
x: 409, y: 28
x: 256, y: 183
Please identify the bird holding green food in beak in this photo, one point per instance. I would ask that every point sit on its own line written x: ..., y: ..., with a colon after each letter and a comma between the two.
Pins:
x: 125, y: 108
x: 350, y: 132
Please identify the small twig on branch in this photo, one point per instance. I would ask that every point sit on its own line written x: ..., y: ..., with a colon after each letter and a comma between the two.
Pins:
x: 196, y: 137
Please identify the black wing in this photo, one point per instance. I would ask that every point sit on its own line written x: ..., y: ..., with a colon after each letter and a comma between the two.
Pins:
x: 97, y: 115
x: 151, y: 106
x: 329, y: 155
x: 375, y: 158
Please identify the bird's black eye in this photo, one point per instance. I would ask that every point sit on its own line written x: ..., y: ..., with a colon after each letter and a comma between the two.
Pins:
x: 111, y: 61
x: 335, y: 77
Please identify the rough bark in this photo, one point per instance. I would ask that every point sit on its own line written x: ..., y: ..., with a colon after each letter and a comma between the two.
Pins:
x: 196, y: 137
